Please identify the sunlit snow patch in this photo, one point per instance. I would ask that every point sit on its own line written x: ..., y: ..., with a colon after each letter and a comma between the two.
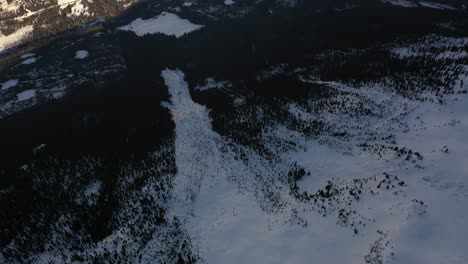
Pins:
x: 29, y: 61
x: 14, y: 38
x: 28, y: 55
x: 77, y: 7
x: 166, y: 23
x: 25, y: 95
x: 81, y: 54
x: 9, y: 84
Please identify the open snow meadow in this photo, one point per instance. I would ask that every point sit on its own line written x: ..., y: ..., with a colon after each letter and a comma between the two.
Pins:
x: 419, y: 204
x: 166, y: 23
x: 237, y: 131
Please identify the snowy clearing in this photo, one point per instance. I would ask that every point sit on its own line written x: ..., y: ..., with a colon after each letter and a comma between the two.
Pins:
x: 81, y: 54
x: 217, y: 195
x: 166, y: 23
x: 26, y: 95
x: 28, y: 61
x: 28, y: 55
x: 14, y: 38
x: 9, y: 84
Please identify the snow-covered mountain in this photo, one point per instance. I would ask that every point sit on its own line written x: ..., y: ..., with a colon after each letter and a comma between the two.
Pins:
x: 26, y: 20
x: 239, y: 132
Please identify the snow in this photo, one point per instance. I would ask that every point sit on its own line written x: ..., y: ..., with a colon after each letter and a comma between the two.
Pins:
x: 436, y: 5
x: 321, y: 161
x: 228, y: 225
x: 401, y: 3
x: 229, y: 2
x: 81, y: 54
x: 166, y: 23
x: 212, y: 83
x: 9, y: 84
x: 28, y: 55
x: 14, y: 38
x: 452, y: 55
x: 407, y: 4
x: 29, y: 61
x: 217, y: 196
x: 195, y: 141
x: 438, y: 47
x: 9, y: 6
x: 223, y: 203
x: 77, y: 7
x: 90, y: 194
x: 26, y: 95
x: 443, y: 184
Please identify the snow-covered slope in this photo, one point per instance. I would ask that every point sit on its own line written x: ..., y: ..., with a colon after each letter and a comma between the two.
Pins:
x: 23, y: 21
x: 26, y: 20
x: 259, y: 138
x: 353, y: 205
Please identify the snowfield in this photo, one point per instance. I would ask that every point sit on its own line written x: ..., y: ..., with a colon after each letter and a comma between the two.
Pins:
x: 26, y: 95
x: 81, y: 54
x: 439, y: 133
x: 9, y: 84
x: 166, y: 23
x: 29, y: 60
x: 14, y: 38
x: 131, y: 147
x: 402, y: 212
